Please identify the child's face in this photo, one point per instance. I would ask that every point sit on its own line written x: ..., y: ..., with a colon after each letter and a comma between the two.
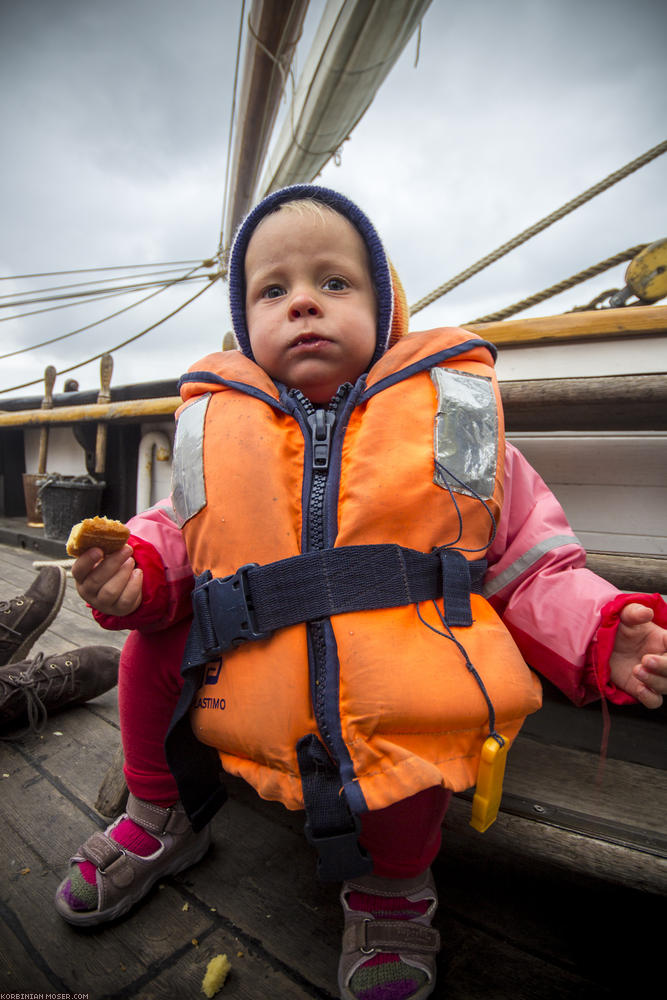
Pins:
x: 310, y: 304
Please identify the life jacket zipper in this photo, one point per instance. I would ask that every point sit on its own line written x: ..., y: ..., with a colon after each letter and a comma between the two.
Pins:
x: 321, y: 423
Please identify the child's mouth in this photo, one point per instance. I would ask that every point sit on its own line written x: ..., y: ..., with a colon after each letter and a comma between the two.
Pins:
x: 309, y: 340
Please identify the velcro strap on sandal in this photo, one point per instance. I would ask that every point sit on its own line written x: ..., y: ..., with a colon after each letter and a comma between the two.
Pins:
x: 101, y: 850
x: 108, y: 858
x: 390, y: 936
x: 155, y: 819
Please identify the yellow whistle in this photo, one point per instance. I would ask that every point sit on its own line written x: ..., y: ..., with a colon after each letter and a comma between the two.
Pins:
x: 489, y: 790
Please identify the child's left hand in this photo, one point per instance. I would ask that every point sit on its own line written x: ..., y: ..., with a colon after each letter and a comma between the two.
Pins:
x: 638, y: 662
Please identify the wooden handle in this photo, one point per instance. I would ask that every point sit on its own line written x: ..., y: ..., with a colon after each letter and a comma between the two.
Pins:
x: 47, y: 404
x: 106, y: 371
x: 49, y: 382
x: 104, y: 396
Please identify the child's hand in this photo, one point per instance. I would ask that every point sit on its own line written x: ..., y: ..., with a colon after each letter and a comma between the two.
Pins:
x: 111, y: 584
x: 638, y: 662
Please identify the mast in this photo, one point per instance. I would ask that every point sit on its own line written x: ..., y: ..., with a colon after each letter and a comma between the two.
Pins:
x: 273, y: 31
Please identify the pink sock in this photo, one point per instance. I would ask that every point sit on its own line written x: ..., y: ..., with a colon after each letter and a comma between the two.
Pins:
x: 80, y: 890
x: 385, y: 976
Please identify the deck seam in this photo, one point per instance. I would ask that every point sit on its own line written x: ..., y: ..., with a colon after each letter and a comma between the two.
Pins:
x: 12, y: 921
x: 249, y: 941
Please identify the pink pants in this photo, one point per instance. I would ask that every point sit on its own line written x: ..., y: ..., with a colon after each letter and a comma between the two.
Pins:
x: 402, y: 839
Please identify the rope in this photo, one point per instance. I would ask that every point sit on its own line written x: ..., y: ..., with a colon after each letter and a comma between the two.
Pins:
x: 89, y: 270
x: 598, y: 300
x: 561, y: 286
x: 97, y: 281
x: 282, y: 65
x: 65, y: 305
x: 124, y: 343
x: 89, y: 294
x: 231, y: 132
x: 97, y: 322
x: 533, y: 230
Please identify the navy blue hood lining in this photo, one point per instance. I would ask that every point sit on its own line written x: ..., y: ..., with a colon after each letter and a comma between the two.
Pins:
x: 380, y: 273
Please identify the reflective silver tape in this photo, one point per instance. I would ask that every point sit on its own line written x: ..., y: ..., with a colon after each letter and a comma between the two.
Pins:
x: 188, y: 487
x: 524, y: 562
x: 465, y: 433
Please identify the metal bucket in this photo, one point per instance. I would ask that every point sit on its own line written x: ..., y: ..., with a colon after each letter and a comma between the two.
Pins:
x: 66, y: 500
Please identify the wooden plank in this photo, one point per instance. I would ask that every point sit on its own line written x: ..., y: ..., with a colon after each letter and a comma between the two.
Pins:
x: 146, y: 956
x: 131, y: 410
x: 70, y: 737
x: 252, y: 976
x: 615, y: 790
x: 21, y: 967
x: 262, y: 876
x: 633, y: 573
x: 264, y: 879
x: 597, y: 541
x: 600, y: 459
x: 98, y: 962
x: 626, y: 511
x: 545, y: 906
x: 536, y: 844
x: 611, y: 402
x: 503, y: 894
x: 594, y: 324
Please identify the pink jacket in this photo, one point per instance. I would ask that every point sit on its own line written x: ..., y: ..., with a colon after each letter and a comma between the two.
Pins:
x: 562, y: 617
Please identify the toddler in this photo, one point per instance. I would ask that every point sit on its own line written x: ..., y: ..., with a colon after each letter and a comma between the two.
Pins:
x: 372, y: 567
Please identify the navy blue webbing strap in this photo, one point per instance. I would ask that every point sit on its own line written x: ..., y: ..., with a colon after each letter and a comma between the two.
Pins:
x: 331, y: 827
x: 256, y: 600
x: 456, y: 587
x: 195, y: 766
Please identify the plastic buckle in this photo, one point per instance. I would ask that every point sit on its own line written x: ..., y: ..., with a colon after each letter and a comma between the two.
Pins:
x: 231, y: 612
x: 340, y: 856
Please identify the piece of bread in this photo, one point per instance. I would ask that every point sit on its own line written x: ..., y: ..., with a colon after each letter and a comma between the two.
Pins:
x: 97, y: 532
x: 216, y: 973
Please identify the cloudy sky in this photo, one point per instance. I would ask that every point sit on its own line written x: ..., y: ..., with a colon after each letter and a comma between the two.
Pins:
x: 115, y: 128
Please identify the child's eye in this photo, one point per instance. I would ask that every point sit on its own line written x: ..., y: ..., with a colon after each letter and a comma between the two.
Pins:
x: 335, y: 284
x: 273, y: 292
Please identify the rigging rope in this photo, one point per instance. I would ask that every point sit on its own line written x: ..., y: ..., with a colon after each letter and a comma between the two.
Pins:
x: 97, y: 322
x: 533, y: 230
x: 231, y: 132
x: 65, y: 305
x: 92, y: 294
x: 98, y: 281
x: 124, y: 343
x: 89, y: 270
x: 561, y: 286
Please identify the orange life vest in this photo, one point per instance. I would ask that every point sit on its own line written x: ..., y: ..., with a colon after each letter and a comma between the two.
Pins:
x: 414, y: 457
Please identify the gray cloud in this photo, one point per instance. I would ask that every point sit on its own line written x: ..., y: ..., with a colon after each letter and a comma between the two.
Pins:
x: 116, y: 120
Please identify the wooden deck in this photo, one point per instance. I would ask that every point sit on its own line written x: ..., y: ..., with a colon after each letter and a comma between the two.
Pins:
x: 570, y: 906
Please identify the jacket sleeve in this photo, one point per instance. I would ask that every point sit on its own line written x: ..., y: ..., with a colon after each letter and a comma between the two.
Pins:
x: 562, y: 616
x: 160, y: 552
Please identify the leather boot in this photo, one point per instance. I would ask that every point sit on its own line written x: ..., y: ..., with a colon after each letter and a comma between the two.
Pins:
x: 35, y: 688
x: 23, y: 619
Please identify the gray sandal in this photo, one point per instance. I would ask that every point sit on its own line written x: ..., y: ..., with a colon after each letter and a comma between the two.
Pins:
x: 413, y: 939
x: 123, y: 878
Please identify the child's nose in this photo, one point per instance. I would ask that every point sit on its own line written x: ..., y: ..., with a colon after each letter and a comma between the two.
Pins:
x: 303, y: 304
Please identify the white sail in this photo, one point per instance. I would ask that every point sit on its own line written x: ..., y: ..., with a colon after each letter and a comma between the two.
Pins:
x: 357, y: 43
